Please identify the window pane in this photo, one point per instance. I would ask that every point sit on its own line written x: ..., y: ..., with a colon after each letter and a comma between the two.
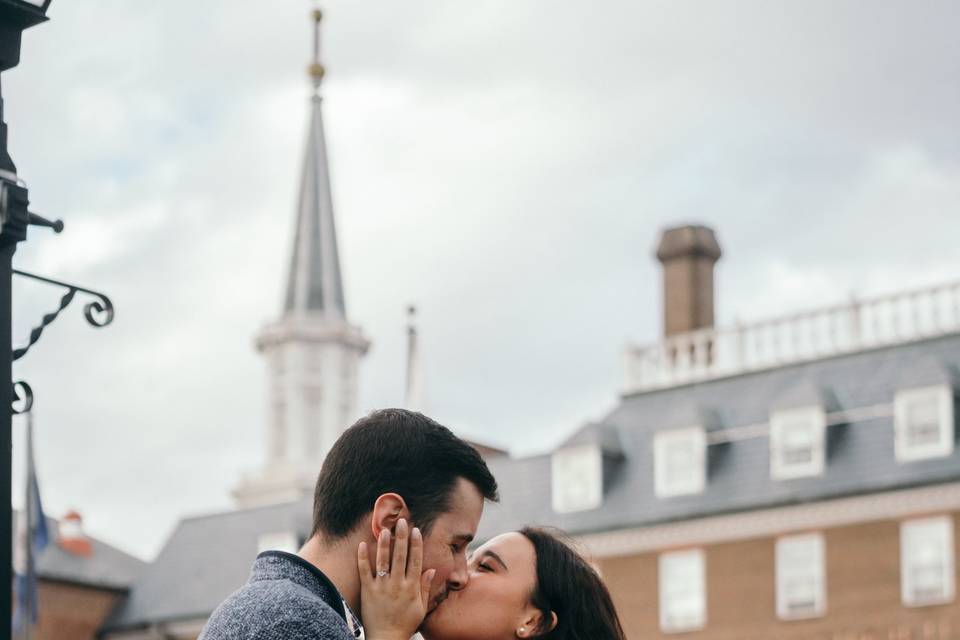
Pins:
x: 923, y: 422
x: 682, y: 598
x: 680, y: 460
x: 927, y: 561
x: 800, y: 576
x: 797, y: 439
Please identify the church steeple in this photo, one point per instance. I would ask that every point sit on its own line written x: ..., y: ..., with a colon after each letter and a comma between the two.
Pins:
x: 314, y: 284
x: 312, y: 351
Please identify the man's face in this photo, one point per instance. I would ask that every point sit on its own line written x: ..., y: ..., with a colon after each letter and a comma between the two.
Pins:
x: 445, y: 548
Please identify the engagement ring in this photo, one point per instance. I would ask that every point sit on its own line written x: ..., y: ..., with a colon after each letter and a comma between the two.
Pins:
x: 382, y: 574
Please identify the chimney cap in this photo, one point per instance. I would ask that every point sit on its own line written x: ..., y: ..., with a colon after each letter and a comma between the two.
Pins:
x: 691, y: 240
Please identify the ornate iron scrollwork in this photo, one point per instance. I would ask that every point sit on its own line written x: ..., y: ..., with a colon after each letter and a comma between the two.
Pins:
x: 22, y: 395
x: 99, y: 312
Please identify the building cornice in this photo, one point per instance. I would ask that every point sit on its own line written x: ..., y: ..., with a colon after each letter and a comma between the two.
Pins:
x: 305, y: 328
x: 892, y: 505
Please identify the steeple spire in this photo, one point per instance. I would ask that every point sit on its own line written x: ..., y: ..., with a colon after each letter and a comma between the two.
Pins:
x: 413, y: 394
x: 314, y: 284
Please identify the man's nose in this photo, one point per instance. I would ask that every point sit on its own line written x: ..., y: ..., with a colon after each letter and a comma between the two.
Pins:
x: 459, y: 577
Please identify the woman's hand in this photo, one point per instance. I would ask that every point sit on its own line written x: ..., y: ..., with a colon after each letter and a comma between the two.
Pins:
x: 394, y: 596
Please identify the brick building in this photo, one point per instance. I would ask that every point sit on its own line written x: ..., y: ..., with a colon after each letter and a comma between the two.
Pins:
x: 79, y: 581
x: 792, y: 478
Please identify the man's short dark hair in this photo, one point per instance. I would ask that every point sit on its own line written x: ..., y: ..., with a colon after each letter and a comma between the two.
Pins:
x: 394, y: 451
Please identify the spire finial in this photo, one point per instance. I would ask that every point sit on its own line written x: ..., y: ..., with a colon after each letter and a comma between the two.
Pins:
x: 316, y: 69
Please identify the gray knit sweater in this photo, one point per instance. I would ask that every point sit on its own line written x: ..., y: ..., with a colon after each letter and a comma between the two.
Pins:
x: 286, y: 598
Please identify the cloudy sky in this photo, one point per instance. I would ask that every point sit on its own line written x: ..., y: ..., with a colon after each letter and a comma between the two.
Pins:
x: 505, y: 165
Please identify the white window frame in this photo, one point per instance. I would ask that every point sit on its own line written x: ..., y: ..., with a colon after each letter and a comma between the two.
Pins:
x: 810, y: 548
x: 278, y: 541
x: 943, y: 396
x: 694, y: 578
x: 697, y: 474
x: 576, y: 478
x: 938, y: 532
x: 780, y: 422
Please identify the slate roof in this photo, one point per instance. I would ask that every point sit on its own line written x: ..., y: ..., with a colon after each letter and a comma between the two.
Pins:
x: 106, y: 568
x: 208, y: 557
x: 860, y: 454
x: 205, y: 559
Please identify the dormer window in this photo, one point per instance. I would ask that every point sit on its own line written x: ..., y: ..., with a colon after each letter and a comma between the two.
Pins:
x: 797, y: 442
x: 577, y: 478
x: 923, y: 422
x: 680, y: 461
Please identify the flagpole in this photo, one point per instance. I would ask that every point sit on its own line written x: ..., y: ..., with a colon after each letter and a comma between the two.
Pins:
x: 28, y: 622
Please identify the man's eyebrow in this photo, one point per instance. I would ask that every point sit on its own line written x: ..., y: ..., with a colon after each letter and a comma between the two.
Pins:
x: 465, y: 538
x: 497, y: 558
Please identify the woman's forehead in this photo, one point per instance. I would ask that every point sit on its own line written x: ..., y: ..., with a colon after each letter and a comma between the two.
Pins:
x: 512, y: 545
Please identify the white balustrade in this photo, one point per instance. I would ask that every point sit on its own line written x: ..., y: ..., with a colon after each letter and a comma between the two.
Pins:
x: 859, y: 324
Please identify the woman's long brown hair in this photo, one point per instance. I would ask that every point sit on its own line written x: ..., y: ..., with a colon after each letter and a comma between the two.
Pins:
x: 570, y: 588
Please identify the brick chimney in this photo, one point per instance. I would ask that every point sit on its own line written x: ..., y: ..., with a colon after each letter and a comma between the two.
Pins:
x: 71, y: 537
x: 688, y: 255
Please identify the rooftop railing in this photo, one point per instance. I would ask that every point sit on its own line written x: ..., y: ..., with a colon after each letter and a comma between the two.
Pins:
x: 855, y: 326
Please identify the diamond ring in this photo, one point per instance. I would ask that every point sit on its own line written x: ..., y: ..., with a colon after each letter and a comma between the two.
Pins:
x: 382, y: 574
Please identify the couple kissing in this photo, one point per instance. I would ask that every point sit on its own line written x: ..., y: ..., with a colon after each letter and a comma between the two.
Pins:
x: 396, y: 508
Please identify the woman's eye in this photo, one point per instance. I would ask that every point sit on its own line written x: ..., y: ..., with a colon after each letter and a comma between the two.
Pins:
x: 485, y: 566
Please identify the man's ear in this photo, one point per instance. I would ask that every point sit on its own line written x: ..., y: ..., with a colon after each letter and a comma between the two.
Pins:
x: 532, y: 622
x: 387, y: 510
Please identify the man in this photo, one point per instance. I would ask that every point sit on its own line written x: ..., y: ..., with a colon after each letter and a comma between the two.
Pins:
x: 389, y: 466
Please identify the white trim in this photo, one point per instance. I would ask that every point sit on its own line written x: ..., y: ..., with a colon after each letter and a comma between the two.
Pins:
x: 664, y: 485
x: 692, y: 577
x: 784, y: 422
x: 801, y: 557
x: 918, y: 537
x: 825, y: 514
x: 942, y: 395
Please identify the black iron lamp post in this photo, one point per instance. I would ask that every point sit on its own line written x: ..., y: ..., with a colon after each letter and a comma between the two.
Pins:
x: 15, y: 217
x: 15, y: 16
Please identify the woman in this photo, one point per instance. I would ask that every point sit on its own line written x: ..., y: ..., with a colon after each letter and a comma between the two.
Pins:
x: 523, y: 584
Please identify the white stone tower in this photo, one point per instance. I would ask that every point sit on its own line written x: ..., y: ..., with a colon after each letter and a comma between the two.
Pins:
x: 312, y: 350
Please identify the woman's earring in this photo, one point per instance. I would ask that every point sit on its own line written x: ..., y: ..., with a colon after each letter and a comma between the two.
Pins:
x: 521, y: 631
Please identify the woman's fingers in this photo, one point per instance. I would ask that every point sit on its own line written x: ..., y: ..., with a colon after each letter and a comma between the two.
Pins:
x: 425, y: 581
x: 363, y: 564
x: 399, y: 566
x: 383, y: 553
x: 415, y: 561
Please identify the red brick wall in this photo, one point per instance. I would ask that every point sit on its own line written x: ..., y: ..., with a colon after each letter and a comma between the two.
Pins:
x: 70, y: 612
x: 863, y: 592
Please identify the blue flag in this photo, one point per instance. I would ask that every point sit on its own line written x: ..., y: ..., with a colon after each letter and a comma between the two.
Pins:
x: 32, y: 538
